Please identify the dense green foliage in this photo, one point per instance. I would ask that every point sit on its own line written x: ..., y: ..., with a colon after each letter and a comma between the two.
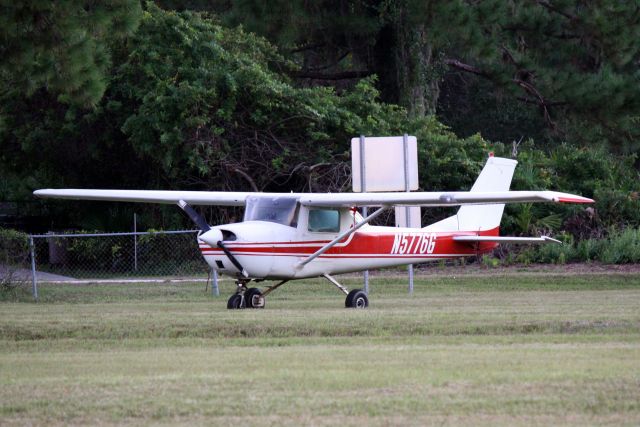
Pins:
x: 619, y: 247
x: 576, y: 62
x: 567, y: 65
x: 14, y: 255
x: 61, y: 45
x: 190, y: 102
x: 193, y: 104
x: 13, y: 245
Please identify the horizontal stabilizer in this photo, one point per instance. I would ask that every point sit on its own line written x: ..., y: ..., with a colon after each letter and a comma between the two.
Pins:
x: 506, y: 239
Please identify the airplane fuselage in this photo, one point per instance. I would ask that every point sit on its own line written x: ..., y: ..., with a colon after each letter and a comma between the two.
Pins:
x: 275, y: 251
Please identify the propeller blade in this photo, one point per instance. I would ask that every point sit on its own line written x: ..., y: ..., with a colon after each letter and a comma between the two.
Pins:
x: 202, y: 224
x: 195, y: 216
x: 233, y: 259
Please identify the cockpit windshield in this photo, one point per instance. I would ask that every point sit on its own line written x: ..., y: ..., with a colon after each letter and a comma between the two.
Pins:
x: 281, y: 210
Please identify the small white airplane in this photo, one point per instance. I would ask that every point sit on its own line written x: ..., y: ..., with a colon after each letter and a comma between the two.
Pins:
x: 287, y: 236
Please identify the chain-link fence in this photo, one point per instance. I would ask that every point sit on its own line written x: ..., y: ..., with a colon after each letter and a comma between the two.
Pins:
x: 119, y: 255
x: 14, y: 260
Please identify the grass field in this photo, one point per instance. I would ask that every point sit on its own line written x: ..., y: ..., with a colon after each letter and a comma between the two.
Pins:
x: 513, y: 350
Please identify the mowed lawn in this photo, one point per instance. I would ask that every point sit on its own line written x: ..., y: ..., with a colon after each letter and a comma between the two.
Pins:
x: 496, y: 350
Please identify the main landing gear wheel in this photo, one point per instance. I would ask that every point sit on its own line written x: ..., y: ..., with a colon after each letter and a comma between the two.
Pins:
x: 236, y: 301
x: 254, y: 298
x: 356, y: 299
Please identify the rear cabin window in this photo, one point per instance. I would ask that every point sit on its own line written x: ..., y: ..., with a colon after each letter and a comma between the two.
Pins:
x: 324, y: 220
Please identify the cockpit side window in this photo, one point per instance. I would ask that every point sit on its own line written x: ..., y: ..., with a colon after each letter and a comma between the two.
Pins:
x: 324, y: 220
x: 281, y: 210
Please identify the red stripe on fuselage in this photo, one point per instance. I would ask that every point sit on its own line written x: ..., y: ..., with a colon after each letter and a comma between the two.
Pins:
x: 370, y: 245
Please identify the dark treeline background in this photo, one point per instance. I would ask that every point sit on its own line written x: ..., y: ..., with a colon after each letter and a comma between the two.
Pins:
x: 265, y: 95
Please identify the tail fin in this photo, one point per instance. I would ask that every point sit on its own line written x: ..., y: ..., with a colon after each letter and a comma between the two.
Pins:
x: 495, y: 176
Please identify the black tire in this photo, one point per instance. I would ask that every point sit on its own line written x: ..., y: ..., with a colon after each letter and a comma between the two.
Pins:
x: 254, y: 298
x: 235, y: 302
x: 357, y: 299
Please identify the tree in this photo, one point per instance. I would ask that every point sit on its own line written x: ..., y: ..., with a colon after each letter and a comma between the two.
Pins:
x: 194, y: 105
x: 571, y: 62
x: 338, y: 42
x: 575, y: 61
x: 61, y: 45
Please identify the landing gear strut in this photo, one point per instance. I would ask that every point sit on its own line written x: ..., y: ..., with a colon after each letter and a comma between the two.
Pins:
x: 238, y: 300
x: 255, y: 298
x: 250, y: 298
x: 357, y: 298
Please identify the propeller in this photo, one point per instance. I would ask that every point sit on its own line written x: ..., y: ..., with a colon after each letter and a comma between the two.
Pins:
x: 233, y: 259
x: 209, y: 235
x: 195, y: 216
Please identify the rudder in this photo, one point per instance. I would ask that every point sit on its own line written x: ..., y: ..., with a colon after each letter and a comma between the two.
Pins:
x: 495, y: 176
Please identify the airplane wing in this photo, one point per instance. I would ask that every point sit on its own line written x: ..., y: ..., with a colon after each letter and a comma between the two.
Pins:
x: 233, y: 198
x: 221, y: 198
x: 455, y: 198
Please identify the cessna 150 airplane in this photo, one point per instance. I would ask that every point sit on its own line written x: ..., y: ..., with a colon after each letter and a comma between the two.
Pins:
x: 287, y: 236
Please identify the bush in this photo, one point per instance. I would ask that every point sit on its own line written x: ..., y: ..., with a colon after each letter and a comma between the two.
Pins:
x: 14, y: 256
x: 619, y: 247
x: 622, y: 247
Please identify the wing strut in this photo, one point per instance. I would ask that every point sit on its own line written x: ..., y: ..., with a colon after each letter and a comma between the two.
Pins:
x: 341, y: 236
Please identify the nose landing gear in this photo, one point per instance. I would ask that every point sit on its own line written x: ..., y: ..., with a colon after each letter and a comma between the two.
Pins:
x: 250, y: 298
x: 254, y: 298
x: 236, y: 301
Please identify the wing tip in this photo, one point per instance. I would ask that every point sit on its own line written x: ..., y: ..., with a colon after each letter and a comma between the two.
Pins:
x: 551, y: 240
x: 574, y: 199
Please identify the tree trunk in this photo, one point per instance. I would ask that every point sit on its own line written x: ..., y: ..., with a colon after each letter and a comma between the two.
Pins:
x: 406, y: 67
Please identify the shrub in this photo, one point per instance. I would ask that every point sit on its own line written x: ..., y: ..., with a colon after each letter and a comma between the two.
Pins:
x: 619, y: 247
x: 622, y: 247
x: 14, y: 256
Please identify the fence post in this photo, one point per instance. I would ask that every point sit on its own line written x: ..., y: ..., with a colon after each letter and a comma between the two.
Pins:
x: 365, y: 210
x: 407, y: 187
x: 135, y: 242
x: 214, y: 285
x: 34, y: 279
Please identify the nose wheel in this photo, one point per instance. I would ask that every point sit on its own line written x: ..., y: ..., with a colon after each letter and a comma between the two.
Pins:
x: 236, y: 302
x: 254, y: 298
x: 251, y: 297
